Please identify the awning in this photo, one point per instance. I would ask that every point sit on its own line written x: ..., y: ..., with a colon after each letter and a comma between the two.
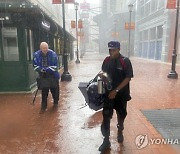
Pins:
x: 33, y: 14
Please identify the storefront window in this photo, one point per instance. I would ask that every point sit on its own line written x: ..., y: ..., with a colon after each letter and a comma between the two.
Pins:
x: 146, y: 36
x: 141, y: 36
x: 27, y: 45
x: 152, y: 49
x: 31, y: 43
x: 145, y: 49
x: 153, y: 33
x: 10, y: 44
x: 158, y: 49
x: 159, y: 32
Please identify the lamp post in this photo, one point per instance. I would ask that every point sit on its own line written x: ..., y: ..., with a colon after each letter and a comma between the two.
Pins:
x: 130, y: 7
x: 173, y: 74
x: 66, y: 75
x: 76, y: 5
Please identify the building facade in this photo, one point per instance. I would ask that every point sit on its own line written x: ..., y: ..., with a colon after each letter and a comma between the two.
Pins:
x: 153, y: 36
x: 155, y: 27
x: 24, y: 24
x: 112, y: 20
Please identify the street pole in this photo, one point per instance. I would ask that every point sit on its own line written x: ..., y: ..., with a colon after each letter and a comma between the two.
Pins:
x: 77, y: 50
x: 130, y: 7
x: 66, y: 76
x: 173, y: 74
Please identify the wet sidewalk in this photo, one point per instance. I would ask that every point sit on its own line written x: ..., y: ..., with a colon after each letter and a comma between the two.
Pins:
x: 71, y: 129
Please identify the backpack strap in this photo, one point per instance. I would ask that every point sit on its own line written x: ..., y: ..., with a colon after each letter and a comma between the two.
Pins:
x: 107, y: 59
x: 121, y: 59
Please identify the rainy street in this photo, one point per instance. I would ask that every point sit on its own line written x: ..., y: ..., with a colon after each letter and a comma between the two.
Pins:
x: 75, y: 129
x: 50, y: 48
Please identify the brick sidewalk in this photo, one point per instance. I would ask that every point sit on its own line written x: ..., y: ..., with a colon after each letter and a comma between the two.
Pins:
x: 71, y: 130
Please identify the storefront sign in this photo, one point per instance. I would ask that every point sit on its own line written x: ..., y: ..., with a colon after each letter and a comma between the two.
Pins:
x: 59, y: 1
x: 73, y: 24
x: 129, y: 26
x: 171, y: 4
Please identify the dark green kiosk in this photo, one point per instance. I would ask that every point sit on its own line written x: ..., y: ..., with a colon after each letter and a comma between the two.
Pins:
x: 22, y: 28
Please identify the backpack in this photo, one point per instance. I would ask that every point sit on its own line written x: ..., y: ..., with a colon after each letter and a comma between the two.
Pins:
x: 95, y: 100
x: 90, y: 92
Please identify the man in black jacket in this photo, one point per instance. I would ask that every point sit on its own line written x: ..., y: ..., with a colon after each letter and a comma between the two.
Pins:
x: 120, y: 71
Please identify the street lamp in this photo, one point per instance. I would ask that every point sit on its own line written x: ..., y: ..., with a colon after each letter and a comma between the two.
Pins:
x: 76, y: 5
x: 173, y: 74
x: 4, y: 18
x: 130, y: 7
x: 66, y: 76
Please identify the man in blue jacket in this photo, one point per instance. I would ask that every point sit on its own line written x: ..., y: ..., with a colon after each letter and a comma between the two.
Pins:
x: 46, y: 64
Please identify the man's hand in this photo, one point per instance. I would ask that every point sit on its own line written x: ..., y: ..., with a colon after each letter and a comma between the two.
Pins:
x: 112, y: 94
x: 43, y: 70
x: 100, y: 74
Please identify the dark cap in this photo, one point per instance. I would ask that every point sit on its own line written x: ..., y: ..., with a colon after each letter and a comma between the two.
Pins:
x: 113, y: 45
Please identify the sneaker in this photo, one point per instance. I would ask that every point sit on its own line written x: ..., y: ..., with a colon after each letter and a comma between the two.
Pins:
x: 105, y: 145
x: 120, y: 138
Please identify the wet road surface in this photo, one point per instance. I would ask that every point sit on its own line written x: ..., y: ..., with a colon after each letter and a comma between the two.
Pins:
x: 70, y: 129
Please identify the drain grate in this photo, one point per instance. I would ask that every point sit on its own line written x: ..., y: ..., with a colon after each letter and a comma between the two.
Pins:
x: 166, y: 121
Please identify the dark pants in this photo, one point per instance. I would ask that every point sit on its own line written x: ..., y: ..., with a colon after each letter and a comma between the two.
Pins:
x: 54, y: 92
x: 120, y: 107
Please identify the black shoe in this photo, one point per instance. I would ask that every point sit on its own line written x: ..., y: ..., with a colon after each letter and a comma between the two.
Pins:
x: 42, y: 111
x: 120, y: 138
x: 105, y: 145
x: 55, y: 105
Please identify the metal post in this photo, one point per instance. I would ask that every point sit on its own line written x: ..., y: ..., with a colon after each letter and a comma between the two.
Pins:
x: 66, y: 75
x: 129, y: 26
x: 77, y: 50
x: 173, y: 74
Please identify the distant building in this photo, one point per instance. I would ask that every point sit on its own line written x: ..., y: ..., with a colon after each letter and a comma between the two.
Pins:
x: 112, y: 20
x: 154, y: 35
